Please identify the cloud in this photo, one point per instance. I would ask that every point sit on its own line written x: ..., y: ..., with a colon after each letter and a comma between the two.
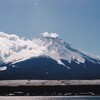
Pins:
x: 46, y: 34
x: 12, y: 48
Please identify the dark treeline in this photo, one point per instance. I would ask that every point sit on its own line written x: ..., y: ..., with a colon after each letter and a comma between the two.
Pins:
x: 50, y: 90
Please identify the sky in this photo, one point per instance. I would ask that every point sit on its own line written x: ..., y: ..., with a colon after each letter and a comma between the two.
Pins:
x: 76, y: 21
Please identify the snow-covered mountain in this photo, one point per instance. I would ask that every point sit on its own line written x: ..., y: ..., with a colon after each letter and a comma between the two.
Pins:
x: 48, y: 53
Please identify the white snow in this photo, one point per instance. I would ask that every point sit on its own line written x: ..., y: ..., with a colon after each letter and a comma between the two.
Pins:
x: 3, y: 68
x: 56, y: 49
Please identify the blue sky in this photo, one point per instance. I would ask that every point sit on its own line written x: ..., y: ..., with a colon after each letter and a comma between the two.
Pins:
x: 76, y: 21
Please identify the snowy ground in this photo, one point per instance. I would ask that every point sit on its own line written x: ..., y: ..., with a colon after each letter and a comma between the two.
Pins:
x: 47, y: 82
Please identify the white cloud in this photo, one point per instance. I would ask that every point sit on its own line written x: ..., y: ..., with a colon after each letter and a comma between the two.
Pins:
x: 12, y: 48
x: 46, y: 34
